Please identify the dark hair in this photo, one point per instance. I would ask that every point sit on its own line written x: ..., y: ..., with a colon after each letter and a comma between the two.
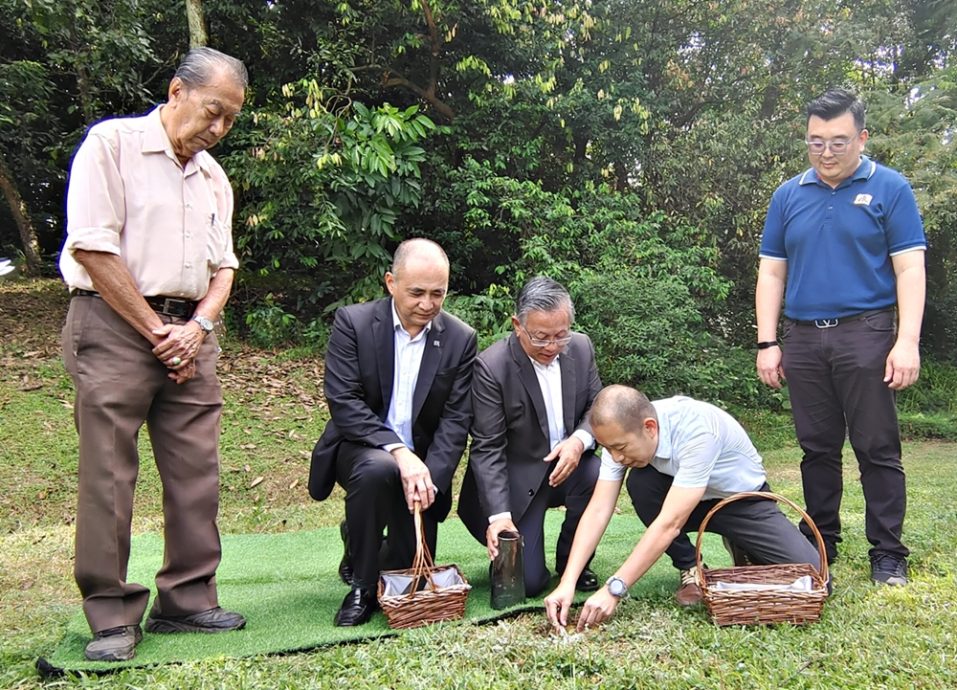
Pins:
x: 622, y: 405
x: 201, y: 64
x: 834, y: 103
x: 543, y: 294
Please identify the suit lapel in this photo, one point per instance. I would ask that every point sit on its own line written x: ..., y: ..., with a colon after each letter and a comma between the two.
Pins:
x: 383, y: 332
x: 429, y: 365
x: 526, y: 374
x: 566, y: 363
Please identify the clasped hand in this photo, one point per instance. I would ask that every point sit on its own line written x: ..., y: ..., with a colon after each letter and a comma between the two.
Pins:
x: 176, y: 347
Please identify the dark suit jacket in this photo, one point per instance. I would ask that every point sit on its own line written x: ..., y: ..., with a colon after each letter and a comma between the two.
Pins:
x: 510, y: 425
x: 360, y: 362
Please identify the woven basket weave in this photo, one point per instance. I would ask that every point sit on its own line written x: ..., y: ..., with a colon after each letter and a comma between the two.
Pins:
x: 748, y: 607
x: 425, y: 593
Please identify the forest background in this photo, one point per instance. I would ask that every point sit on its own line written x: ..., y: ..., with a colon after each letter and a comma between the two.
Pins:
x: 625, y: 148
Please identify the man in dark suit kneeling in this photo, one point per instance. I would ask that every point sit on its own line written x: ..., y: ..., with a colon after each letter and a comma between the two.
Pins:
x: 397, y: 381
x: 532, y: 447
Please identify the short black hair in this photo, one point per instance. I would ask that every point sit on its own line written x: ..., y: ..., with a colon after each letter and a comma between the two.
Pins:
x: 834, y: 103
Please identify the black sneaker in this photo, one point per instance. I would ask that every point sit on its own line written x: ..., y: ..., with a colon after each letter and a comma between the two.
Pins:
x: 888, y: 569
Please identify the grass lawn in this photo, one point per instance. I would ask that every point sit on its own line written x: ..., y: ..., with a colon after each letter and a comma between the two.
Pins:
x: 870, y: 637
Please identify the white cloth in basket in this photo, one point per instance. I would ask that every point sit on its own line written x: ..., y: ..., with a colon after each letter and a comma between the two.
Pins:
x: 395, y: 584
x: 802, y: 584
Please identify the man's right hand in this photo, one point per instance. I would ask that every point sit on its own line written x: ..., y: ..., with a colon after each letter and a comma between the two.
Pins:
x: 495, y: 529
x: 416, y: 479
x: 558, y: 604
x: 769, y: 366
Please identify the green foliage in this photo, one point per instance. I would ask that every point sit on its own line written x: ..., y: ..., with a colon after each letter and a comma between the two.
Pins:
x: 268, y: 325
x: 934, y: 393
x: 320, y: 192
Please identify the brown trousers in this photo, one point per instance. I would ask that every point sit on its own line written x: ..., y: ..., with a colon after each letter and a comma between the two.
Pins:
x: 120, y: 385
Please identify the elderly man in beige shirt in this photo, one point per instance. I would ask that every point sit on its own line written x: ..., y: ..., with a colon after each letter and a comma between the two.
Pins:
x: 149, y: 262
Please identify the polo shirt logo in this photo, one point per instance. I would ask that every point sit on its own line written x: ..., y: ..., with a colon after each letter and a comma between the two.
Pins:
x: 863, y: 200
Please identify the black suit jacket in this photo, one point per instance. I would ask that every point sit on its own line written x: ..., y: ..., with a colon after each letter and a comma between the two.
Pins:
x: 360, y: 361
x: 510, y: 425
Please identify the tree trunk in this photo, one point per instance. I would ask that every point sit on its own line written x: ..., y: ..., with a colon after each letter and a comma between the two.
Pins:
x: 20, y: 213
x: 197, y: 24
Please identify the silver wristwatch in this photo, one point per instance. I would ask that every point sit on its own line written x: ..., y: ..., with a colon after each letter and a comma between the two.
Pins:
x: 617, y: 587
x: 204, y: 323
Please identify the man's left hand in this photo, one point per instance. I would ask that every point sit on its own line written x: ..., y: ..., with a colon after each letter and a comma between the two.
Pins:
x: 180, y: 343
x: 600, y: 607
x: 903, y: 366
x: 569, y: 453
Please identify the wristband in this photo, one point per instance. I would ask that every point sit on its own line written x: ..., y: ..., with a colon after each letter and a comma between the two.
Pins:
x: 768, y: 343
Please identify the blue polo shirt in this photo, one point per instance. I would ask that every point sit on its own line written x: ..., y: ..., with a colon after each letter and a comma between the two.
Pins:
x: 839, y: 242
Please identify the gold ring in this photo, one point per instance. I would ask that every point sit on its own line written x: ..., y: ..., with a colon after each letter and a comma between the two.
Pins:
x: 176, y: 361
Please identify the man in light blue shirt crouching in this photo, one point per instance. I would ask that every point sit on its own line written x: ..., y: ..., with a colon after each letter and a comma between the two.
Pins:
x: 685, y: 456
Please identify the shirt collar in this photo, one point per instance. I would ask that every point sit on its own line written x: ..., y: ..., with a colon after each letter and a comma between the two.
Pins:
x: 545, y: 367
x: 864, y: 171
x: 664, y: 449
x: 156, y: 140
x: 397, y: 324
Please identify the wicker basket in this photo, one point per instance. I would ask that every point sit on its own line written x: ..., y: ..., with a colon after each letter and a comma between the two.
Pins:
x: 747, y: 607
x: 425, y: 593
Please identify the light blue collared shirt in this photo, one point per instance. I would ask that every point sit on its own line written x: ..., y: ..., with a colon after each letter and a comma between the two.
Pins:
x: 700, y: 445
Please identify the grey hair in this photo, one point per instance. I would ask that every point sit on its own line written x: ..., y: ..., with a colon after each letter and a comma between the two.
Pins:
x: 543, y: 294
x: 201, y: 64
x: 834, y: 103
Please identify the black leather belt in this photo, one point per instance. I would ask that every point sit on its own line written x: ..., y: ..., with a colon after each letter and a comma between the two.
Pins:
x: 169, y: 306
x: 831, y: 323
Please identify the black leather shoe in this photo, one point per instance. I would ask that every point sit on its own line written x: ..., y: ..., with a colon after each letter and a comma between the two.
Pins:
x: 212, y: 621
x: 587, y: 581
x: 345, y: 565
x: 357, y: 608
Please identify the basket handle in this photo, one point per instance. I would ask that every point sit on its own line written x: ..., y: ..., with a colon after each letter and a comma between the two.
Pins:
x: 758, y: 494
x: 422, y: 563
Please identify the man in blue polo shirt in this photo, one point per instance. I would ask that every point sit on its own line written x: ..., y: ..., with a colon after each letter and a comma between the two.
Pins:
x: 844, y: 246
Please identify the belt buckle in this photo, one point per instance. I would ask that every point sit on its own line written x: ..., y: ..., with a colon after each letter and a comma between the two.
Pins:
x: 826, y: 323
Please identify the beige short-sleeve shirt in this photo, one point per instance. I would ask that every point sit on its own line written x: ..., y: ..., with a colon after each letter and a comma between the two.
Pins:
x: 128, y: 195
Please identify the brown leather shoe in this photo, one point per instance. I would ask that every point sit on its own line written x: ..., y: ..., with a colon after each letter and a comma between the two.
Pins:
x: 688, y: 593
x: 114, y: 644
x: 211, y: 621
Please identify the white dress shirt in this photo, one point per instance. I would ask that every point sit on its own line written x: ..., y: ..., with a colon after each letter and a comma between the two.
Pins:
x: 550, y: 381
x: 405, y: 374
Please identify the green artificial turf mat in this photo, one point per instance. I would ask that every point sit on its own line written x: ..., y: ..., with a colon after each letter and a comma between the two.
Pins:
x: 286, y: 585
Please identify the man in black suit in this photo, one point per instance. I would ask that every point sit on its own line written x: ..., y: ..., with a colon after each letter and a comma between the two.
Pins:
x: 532, y: 447
x: 397, y: 382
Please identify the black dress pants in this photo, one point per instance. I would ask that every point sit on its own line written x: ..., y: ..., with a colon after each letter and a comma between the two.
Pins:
x: 381, y: 528
x: 757, y: 527
x: 835, y: 382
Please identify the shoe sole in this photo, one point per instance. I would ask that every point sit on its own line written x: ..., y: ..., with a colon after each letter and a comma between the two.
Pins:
x: 892, y: 581
x: 111, y: 656
x: 169, y: 626
x: 124, y: 654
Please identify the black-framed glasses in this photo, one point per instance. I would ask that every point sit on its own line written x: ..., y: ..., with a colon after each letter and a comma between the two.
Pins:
x: 542, y: 342
x: 817, y: 147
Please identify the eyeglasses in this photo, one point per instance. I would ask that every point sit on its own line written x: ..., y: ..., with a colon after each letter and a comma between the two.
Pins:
x: 837, y: 146
x: 540, y: 342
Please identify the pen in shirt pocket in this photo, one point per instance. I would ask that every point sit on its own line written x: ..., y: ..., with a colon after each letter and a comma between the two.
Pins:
x: 212, y: 220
